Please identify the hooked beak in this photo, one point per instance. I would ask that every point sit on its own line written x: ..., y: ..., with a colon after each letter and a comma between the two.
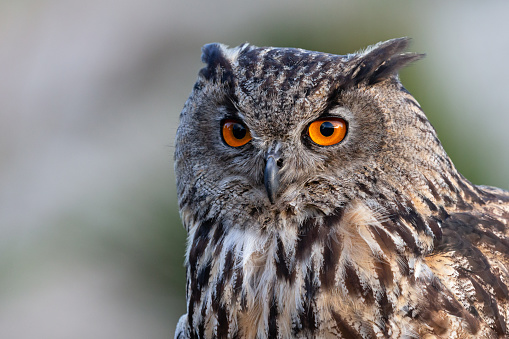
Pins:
x: 271, y: 174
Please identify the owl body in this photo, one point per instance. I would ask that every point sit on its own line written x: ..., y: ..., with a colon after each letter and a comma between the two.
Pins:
x: 319, y: 202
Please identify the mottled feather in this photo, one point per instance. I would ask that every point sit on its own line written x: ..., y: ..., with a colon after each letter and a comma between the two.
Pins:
x: 377, y: 236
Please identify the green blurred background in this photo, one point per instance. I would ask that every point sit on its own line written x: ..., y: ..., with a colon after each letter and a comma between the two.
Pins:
x: 91, y: 245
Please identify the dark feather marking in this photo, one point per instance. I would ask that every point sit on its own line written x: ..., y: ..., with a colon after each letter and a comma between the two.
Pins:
x: 495, y: 195
x: 428, y: 310
x: 402, y: 231
x: 452, y: 306
x: 392, y: 66
x: 309, y: 234
x: 367, y: 330
x: 243, y: 301
x: 282, y: 270
x: 413, y: 103
x: 489, y: 222
x: 383, y: 61
x: 367, y: 293
x: 489, y: 238
x: 364, y: 188
x: 202, y: 279
x: 239, y: 279
x: 432, y: 207
x: 474, y: 311
x: 352, y: 282
x: 435, y: 228
x: 333, y: 98
x: 228, y: 265
x: 462, y: 234
x: 222, y: 322
x: 331, y: 254
x: 385, y: 242
x: 307, y: 317
x: 442, y: 213
x: 355, y: 287
x: 433, y: 190
x: 452, y: 188
x: 199, y: 245
x: 273, y: 315
x: 201, y: 325
x: 404, y: 269
x: 217, y: 295
x: 193, y: 299
x: 416, y: 220
x: 214, y: 58
x: 384, y: 273
x: 344, y: 328
x: 224, y: 278
x: 490, y: 306
x: 470, y: 191
x: 334, y: 219
x: 204, y: 209
x: 383, y: 268
x: 447, y: 200
x: 386, y: 309
x: 407, y: 213
x: 190, y: 315
x: 200, y: 242
x: 191, y: 303
x: 219, y: 248
x: 422, y: 119
x: 187, y: 197
x: 218, y: 233
x: 237, y: 335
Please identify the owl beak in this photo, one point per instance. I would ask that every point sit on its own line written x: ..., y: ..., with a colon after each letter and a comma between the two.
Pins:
x: 271, y: 174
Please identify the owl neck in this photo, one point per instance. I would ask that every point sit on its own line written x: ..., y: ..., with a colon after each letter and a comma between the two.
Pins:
x: 413, y: 164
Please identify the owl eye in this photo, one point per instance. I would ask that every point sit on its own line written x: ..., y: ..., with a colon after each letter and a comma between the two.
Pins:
x: 235, y: 134
x: 327, y: 131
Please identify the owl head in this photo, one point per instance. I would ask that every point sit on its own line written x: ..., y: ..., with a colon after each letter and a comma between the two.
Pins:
x: 270, y: 135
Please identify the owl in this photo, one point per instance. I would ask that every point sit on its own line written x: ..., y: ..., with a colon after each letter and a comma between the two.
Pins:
x: 319, y: 203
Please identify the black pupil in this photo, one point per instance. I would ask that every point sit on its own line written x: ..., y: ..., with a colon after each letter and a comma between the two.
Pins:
x: 239, y: 131
x: 327, y: 129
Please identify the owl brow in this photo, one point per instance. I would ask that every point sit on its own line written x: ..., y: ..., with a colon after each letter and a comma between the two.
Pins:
x: 331, y: 101
x: 232, y: 108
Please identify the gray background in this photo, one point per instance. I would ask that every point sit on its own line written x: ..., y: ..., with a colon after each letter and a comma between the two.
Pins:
x: 90, y: 91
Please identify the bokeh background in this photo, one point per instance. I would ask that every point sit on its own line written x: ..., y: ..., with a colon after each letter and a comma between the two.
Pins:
x: 91, y: 245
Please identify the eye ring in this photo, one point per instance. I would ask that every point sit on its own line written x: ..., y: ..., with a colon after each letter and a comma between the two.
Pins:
x: 327, y: 131
x: 235, y: 133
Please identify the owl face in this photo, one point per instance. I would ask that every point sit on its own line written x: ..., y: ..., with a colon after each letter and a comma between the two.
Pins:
x: 273, y: 134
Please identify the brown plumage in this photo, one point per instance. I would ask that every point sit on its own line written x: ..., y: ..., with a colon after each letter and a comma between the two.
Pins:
x: 373, y: 236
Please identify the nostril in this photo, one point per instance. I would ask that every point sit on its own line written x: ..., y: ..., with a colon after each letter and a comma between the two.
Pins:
x: 279, y: 163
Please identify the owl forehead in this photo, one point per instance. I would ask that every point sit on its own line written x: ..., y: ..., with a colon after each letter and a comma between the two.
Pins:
x: 284, y: 86
x: 283, y: 69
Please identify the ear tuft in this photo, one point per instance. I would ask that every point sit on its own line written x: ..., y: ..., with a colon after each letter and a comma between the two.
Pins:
x: 218, y: 66
x: 210, y: 53
x: 381, y: 61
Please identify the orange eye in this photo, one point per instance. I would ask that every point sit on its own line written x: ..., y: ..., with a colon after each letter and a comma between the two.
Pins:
x: 235, y: 133
x: 327, y: 131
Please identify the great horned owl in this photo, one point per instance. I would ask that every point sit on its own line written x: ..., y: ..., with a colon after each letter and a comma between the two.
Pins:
x: 320, y: 203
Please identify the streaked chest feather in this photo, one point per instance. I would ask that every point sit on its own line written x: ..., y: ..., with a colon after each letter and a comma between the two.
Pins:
x: 344, y: 275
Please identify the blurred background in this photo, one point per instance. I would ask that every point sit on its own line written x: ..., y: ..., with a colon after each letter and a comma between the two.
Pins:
x: 91, y: 245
